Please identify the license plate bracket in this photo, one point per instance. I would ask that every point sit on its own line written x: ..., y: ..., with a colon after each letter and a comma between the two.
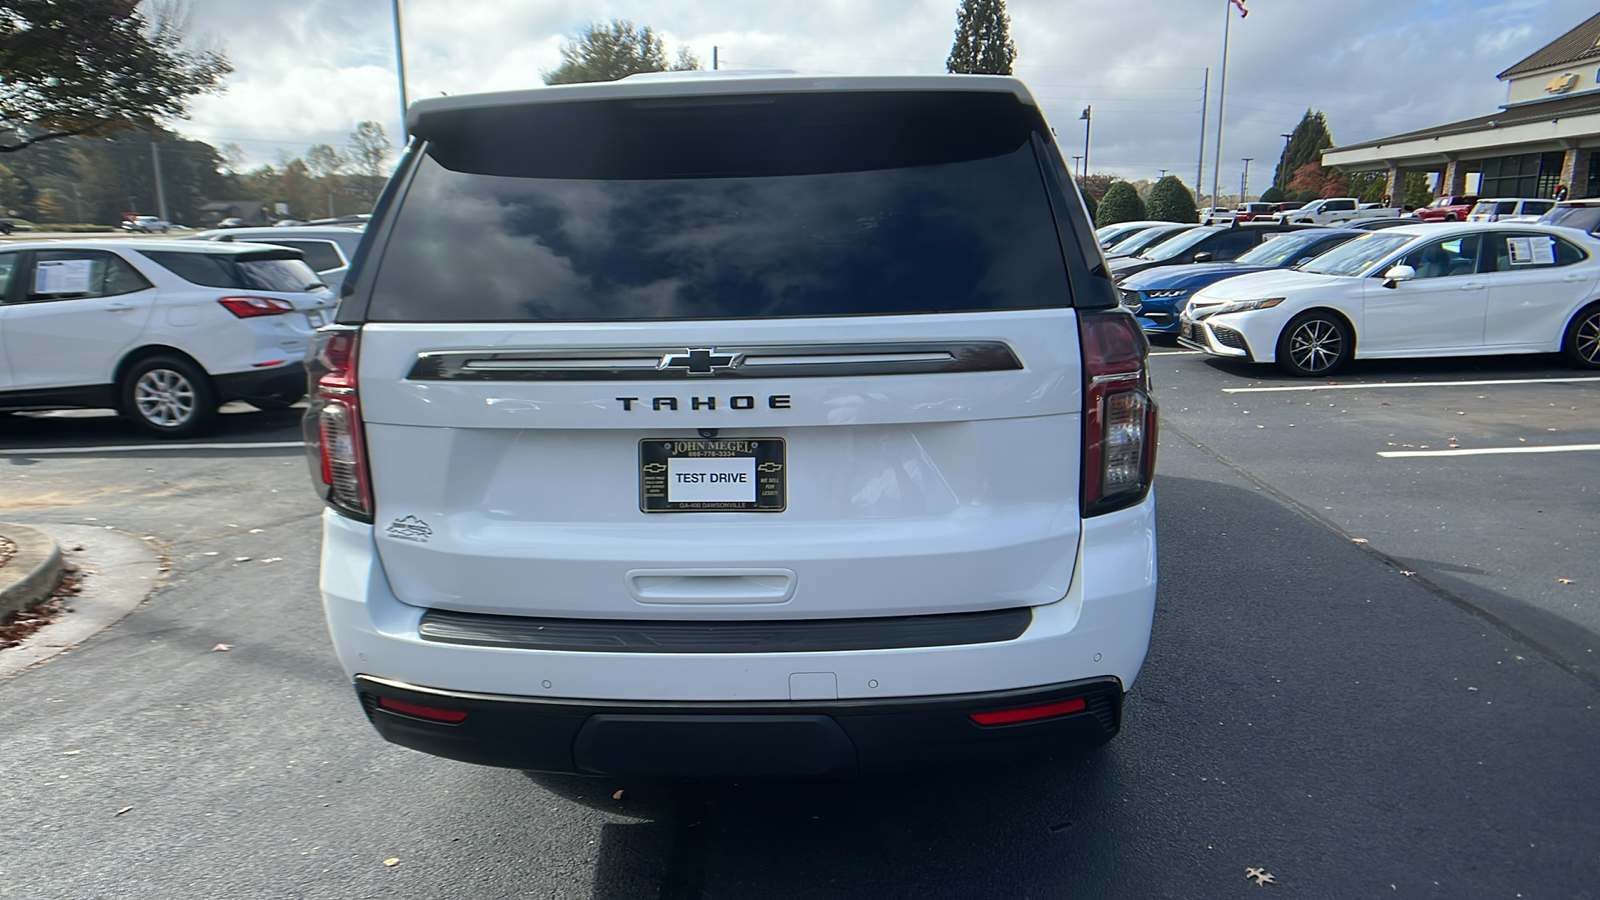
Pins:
x: 712, y: 475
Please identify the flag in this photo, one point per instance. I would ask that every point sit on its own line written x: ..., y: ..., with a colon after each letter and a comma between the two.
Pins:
x: 1242, y: 11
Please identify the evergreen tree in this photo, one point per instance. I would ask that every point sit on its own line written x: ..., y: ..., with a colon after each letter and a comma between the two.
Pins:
x: 1273, y: 195
x: 1418, y: 192
x: 1170, y: 201
x: 607, y: 52
x: 1306, y: 144
x: 983, y: 44
x: 1120, y: 204
x: 1090, y: 203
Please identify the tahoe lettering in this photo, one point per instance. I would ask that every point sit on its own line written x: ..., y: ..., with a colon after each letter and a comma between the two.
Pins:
x: 674, y: 404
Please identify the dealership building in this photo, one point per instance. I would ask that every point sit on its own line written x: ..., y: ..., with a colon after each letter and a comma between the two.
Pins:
x: 1545, y: 138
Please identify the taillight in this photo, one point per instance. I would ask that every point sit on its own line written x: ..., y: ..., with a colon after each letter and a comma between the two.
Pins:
x: 335, y: 435
x: 251, y: 307
x: 1119, y: 414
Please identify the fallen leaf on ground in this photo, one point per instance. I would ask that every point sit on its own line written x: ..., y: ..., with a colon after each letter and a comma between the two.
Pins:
x: 210, y: 553
x: 273, y: 559
x: 1471, y: 688
x: 1407, y: 573
x: 392, y: 861
x: 70, y: 752
x: 1258, y: 875
x: 221, y: 648
x: 617, y: 796
x: 1563, y: 580
x: 1358, y: 540
x: 123, y: 810
x: 253, y: 531
x: 241, y: 559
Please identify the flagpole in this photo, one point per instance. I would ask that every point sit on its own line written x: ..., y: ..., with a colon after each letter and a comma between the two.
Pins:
x: 1200, y: 165
x: 1222, y: 96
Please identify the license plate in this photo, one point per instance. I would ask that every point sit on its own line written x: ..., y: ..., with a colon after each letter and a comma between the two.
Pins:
x: 712, y: 475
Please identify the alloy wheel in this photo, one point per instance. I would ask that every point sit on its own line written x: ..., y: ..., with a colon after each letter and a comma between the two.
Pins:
x: 165, y: 397
x: 1316, y: 345
x: 1586, y: 340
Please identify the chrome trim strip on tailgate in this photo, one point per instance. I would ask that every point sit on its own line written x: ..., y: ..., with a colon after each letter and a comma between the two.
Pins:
x: 747, y: 361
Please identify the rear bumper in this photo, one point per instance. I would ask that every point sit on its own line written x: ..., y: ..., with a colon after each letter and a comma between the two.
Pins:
x: 696, y: 740
x: 534, y: 704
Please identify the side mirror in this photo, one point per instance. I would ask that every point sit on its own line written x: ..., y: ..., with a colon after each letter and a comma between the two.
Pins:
x: 1202, y: 256
x: 1393, y: 277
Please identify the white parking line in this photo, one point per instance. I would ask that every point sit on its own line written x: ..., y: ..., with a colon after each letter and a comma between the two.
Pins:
x: 1403, y: 384
x: 144, y: 448
x: 1490, y: 451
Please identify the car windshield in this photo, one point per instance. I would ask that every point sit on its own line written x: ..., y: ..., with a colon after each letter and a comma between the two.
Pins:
x: 1177, y: 244
x: 1581, y: 217
x: 1358, y: 255
x: 1280, y: 249
x: 1149, y: 237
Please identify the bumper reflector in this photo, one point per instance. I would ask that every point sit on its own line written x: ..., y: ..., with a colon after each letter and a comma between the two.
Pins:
x: 435, y: 714
x: 1030, y: 713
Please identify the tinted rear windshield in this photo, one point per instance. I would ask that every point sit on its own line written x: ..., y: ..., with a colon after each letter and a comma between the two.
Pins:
x: 226, y: 271
x: 743, y: 207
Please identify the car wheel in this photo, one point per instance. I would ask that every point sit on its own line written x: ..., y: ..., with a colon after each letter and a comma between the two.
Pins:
x: 1582, y: 342
x: 1450, y: 218
x: 275, y: 402
x: 1314, y: 343
x: 168, y: 396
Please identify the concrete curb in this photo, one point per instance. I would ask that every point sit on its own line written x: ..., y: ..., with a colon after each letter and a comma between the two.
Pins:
x: 118, y: 571
x: 33, y: 573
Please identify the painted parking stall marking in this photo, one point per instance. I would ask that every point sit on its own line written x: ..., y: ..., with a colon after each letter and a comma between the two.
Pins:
x: 1490, y: 451
x: 1408, y: 384
x: 146, y: 448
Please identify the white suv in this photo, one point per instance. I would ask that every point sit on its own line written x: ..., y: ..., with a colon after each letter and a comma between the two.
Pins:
x: 164, y: 331
x: 735, y: 426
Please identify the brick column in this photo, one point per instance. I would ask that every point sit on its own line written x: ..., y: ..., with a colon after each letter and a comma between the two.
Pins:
x: 1395, y: 187
x: 1454, y: 180
x: 1575, y: 172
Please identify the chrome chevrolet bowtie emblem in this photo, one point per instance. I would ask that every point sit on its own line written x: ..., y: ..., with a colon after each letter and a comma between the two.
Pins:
x: 699, y: 362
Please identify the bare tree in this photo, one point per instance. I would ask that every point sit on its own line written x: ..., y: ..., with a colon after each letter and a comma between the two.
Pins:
x: 370, y: 148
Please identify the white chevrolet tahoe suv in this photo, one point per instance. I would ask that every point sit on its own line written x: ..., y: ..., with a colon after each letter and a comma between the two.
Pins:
x: 707, y: 426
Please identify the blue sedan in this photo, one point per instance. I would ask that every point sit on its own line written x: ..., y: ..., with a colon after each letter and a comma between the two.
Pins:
x: 1156, y: 296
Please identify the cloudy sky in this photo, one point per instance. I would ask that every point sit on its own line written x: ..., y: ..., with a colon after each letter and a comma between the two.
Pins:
x: 309, y: 70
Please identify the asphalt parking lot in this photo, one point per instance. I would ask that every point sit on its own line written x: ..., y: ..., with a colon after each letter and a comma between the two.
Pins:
x: 1307, y: 707
x: 1481, y: 476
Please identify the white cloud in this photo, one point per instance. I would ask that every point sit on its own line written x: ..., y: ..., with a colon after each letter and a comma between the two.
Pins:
x: 308, y: 70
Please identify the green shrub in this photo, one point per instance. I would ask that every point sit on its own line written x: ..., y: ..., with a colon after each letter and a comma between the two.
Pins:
x: 1273, y: 195
x: 1170, y: 201
x: 1120, y: 204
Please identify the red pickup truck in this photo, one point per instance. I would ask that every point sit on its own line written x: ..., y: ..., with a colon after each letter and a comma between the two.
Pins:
x: 1449, y: 208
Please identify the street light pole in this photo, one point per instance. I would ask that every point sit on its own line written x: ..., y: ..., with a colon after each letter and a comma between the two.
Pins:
x: 1077, y: 167
x: 1282, y: 183
x: 1222, y: 94
x: 1244, y: 180
x: 400, y: 63
x: 1088, y: 119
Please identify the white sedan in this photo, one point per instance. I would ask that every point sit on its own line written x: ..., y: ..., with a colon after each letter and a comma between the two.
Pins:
x: 1420, y: 290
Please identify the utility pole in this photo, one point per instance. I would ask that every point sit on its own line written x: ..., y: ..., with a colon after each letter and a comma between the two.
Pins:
x: 1200, y: 167
x: 1163, y: 173
x: 1244, y: 180
x: 713, y: 57
x: 77, y: 195
x: 1076, y: 167
x: 400, y: 64
x: 161, y: 190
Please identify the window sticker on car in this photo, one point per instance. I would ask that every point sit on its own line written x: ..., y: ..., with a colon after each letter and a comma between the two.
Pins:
x: 1544, y: 251
x: 1521, y: 250
x: 62, y: 276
